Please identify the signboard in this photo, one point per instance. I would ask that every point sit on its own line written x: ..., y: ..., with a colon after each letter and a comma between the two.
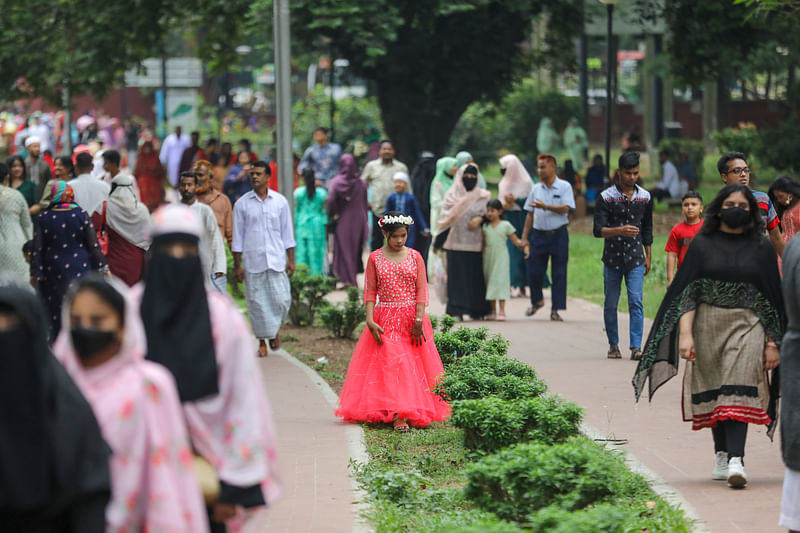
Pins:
x: 181, y: 72
x: 626, y: 19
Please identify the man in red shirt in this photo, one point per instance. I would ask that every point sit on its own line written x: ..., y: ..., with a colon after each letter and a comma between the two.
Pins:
x: 682, y: 234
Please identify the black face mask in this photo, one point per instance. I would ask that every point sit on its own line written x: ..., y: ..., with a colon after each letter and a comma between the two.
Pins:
x: 734, y: 217
x: 502, y: 171
x: 89, y: 342
x: 470, y: 182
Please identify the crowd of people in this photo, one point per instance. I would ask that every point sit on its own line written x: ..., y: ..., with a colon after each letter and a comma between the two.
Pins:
x: 116, y: 259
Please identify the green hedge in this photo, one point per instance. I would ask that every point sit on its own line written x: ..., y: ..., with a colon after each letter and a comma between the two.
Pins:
x: 453, y: 344
x: 308, y: 295
x: 475, y: 377
x: 517, y: 481
x: 490, y: 424
x: 342, y: 319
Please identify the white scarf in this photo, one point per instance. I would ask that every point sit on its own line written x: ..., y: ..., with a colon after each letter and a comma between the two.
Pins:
x: 126, y: 215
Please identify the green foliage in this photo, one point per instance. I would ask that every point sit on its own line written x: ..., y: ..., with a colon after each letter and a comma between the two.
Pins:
x: 492, y: 423
x: 342, y: 319
x: 520, y: 480
x: 400, y: 487
x: 779, y: 147
x: 453, y: 344
x: 474, y: 377
x: 308, y: 295
x: 694, y: 149
x: 603, y: 518
x: 512, y: 123
x: 745, y: 140
x: 351, y: 116
x: 390, y: 518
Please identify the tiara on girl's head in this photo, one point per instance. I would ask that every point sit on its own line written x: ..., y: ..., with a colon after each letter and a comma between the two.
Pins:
x: 396, y: 219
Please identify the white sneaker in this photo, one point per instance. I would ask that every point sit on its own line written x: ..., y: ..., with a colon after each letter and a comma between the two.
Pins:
x: 736, y: 476
x: 720, y: 471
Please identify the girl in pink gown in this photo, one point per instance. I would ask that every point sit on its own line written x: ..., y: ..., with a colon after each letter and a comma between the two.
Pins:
x: 395, y: 365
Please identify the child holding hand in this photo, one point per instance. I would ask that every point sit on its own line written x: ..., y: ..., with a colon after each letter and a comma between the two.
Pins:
x: 682, y: 234
x: 496, y: 259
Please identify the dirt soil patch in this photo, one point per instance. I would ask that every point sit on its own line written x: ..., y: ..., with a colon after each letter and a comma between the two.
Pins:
x: 310, y: 344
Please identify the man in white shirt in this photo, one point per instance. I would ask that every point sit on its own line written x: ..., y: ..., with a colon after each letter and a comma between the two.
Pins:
x: 671, y: 184
x: 210, y: 246
x: 263, y: 256
x: 379, y: 175
x: 172, y: 152
x: 90, y: 192
x: 548, y: 207
x: 111, y: 165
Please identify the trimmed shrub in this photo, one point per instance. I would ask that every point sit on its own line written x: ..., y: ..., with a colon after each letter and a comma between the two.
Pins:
x: 455, y: 343
x: 474, y: 377
x: 343, y: 319
x: 493, y: 423
x: 603, y: 518
x: 308, y: 295
x: 517, y: 481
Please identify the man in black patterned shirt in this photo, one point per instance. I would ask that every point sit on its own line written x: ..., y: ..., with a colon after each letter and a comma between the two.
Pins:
x: 623, y: 216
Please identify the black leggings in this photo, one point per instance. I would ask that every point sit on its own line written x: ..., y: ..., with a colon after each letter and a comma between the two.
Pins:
x: 730, y: 436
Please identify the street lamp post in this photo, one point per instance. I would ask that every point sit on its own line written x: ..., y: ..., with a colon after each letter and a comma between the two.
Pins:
x: 610, y: 63
x: 283, y: 93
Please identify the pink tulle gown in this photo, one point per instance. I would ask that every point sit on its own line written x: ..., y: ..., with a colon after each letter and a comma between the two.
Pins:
x: 395, y: 377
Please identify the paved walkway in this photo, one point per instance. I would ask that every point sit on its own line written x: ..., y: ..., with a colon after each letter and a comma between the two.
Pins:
x: 314, y: 449
x: 570, y: 356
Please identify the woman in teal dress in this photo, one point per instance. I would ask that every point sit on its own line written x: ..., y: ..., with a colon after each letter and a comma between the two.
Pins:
x: 310, y: 221
x: 19, y: 179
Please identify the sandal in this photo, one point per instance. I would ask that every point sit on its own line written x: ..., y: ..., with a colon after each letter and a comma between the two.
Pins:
x: 613, y: 352
x: 532, y: 309
x: 636, y: 354
x: 262, y: 350
x: 400, y: 424
x: 275, y: 343
x: 491, y: 316
x: 501, y: 318
x: 555, y: 317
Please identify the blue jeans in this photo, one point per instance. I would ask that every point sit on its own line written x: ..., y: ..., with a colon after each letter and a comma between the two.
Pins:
x: 634, y: 283
x: 220, y: 283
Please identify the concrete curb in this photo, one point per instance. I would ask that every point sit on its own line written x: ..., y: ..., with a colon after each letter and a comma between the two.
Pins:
x: 656, y: 482
x: 355, y: 440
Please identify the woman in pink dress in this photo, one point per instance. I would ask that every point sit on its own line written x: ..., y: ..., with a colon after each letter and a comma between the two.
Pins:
x: 785, y: 195
x: 102, y: 345
x: 395, y: 365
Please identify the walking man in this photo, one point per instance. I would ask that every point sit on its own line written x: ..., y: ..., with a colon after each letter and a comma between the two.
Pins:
x: 90, y: 192
x: 379, y: 175
x: 212, y: 250
x: 218, y: 202
x: 172, y: 152
x: 38, y: 171
x: 732, y: 168
x: 623, y: 216
x: 548, y: 207
x: 263, y: 256
x: 322, y: 157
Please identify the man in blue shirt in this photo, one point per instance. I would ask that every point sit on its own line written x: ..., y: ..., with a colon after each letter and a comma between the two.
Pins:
x: 548, y: 206
x: 322, y: 157
x: 623, y: 216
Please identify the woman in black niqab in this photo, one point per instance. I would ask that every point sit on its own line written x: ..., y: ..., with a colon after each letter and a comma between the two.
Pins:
x: 54, y: 471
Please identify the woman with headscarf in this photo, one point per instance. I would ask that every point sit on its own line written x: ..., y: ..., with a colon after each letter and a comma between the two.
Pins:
x: 128, y: 228
x: 462, y: 213
x: 546, y: 137
x: 202, y: 338
x: 16, y: 229
x: 63, y: 170
x: 372, y: 137
x: 465, y: 158
x: 421, y: 180
x: 54, y: 474
x: 347, y: 207
x: 102, y: 346
x: 150, y: 176
x: 65, y: 247
x: 576, y: 142
x: 513, y: 191
x: 724, y: 314
x: 310, y: 221
x: 446, y: 168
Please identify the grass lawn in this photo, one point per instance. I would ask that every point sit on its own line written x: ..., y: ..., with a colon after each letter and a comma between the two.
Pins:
x: 585, y: 273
